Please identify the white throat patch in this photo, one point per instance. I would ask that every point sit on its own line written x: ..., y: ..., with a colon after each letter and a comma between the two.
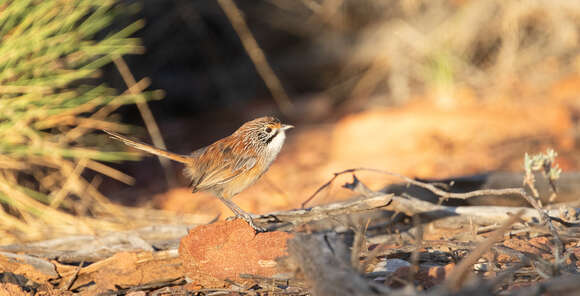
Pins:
x: 274, y: 147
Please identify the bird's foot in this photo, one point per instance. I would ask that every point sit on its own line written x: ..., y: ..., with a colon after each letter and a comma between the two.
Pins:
x: 249, y: 219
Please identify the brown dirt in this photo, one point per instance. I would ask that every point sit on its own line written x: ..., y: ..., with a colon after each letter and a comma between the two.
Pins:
x: 21, y: 268
x: 12, y: 289
x: 126, y: 269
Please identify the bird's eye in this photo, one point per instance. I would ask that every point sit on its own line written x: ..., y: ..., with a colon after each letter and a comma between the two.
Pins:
x: 268, y: 129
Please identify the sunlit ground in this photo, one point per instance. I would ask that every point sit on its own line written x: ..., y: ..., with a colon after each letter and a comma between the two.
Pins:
x: 419, y: 139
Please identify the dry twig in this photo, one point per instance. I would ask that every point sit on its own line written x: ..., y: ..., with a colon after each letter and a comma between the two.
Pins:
x: 147, y: 116
x: 257, y: 55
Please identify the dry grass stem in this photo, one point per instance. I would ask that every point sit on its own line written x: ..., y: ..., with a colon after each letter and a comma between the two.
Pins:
x: 147, y: 116
x: 257, y: 55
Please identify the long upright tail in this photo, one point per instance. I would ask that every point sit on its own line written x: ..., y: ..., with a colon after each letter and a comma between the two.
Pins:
x: 149, y: 148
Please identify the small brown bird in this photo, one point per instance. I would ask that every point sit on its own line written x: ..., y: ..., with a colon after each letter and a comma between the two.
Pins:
x: 230, y: 165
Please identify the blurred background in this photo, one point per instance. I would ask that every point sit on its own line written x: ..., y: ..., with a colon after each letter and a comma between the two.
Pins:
x: 428, y: 89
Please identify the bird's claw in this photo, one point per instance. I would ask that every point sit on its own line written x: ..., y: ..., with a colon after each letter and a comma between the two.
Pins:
x: 248, y: 218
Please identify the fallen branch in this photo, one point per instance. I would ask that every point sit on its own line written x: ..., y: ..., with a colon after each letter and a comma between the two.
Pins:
x: 543, y: 214
x: 303, y: 216
x: 480, y: 215
x: 88, y: 248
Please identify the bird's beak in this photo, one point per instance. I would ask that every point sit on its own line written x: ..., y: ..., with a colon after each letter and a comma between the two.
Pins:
x: 287, y: 127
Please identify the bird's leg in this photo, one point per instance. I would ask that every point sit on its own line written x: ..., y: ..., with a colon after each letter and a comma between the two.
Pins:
x: 240, y: 213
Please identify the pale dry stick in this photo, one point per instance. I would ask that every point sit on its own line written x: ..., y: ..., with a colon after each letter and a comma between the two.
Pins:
x: 358, y: 245
x: 66, y: 116
x: 323, y: 186
x: 257, y: 56
x: 11, y: 89
x: 82, y: 187
x: 147, y: 116
x: 460, y: 273
x: 82, y: 208
x: 61, y: 194
x: 9, y: 163
x: 327, y: 12
x: 530, y: 180
x: 418, y: 245
x: 313, y: 5
x: 73, y: 277
x: 49, y: 180
x: 303, y: 216
x: 94, y: 248
x: 92, y: 123
x: 110, y: 172
x: 114, y: 105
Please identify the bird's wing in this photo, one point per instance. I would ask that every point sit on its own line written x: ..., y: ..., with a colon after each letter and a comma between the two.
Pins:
x: 229, y: 171
x: 222, y: 168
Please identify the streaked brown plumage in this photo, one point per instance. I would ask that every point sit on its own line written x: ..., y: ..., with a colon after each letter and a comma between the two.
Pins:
x: 231, y: 164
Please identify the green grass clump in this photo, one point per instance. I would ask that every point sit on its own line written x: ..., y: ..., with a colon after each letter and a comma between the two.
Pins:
x: 51, y: 100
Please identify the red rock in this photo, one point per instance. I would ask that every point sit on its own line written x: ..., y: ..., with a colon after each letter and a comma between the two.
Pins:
x: 226, y: 249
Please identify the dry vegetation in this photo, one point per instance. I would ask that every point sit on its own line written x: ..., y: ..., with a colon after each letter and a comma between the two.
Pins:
x: 355, y: 55
x: 51, y: 101
x: 377, y: 243
x: 379, y: 52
